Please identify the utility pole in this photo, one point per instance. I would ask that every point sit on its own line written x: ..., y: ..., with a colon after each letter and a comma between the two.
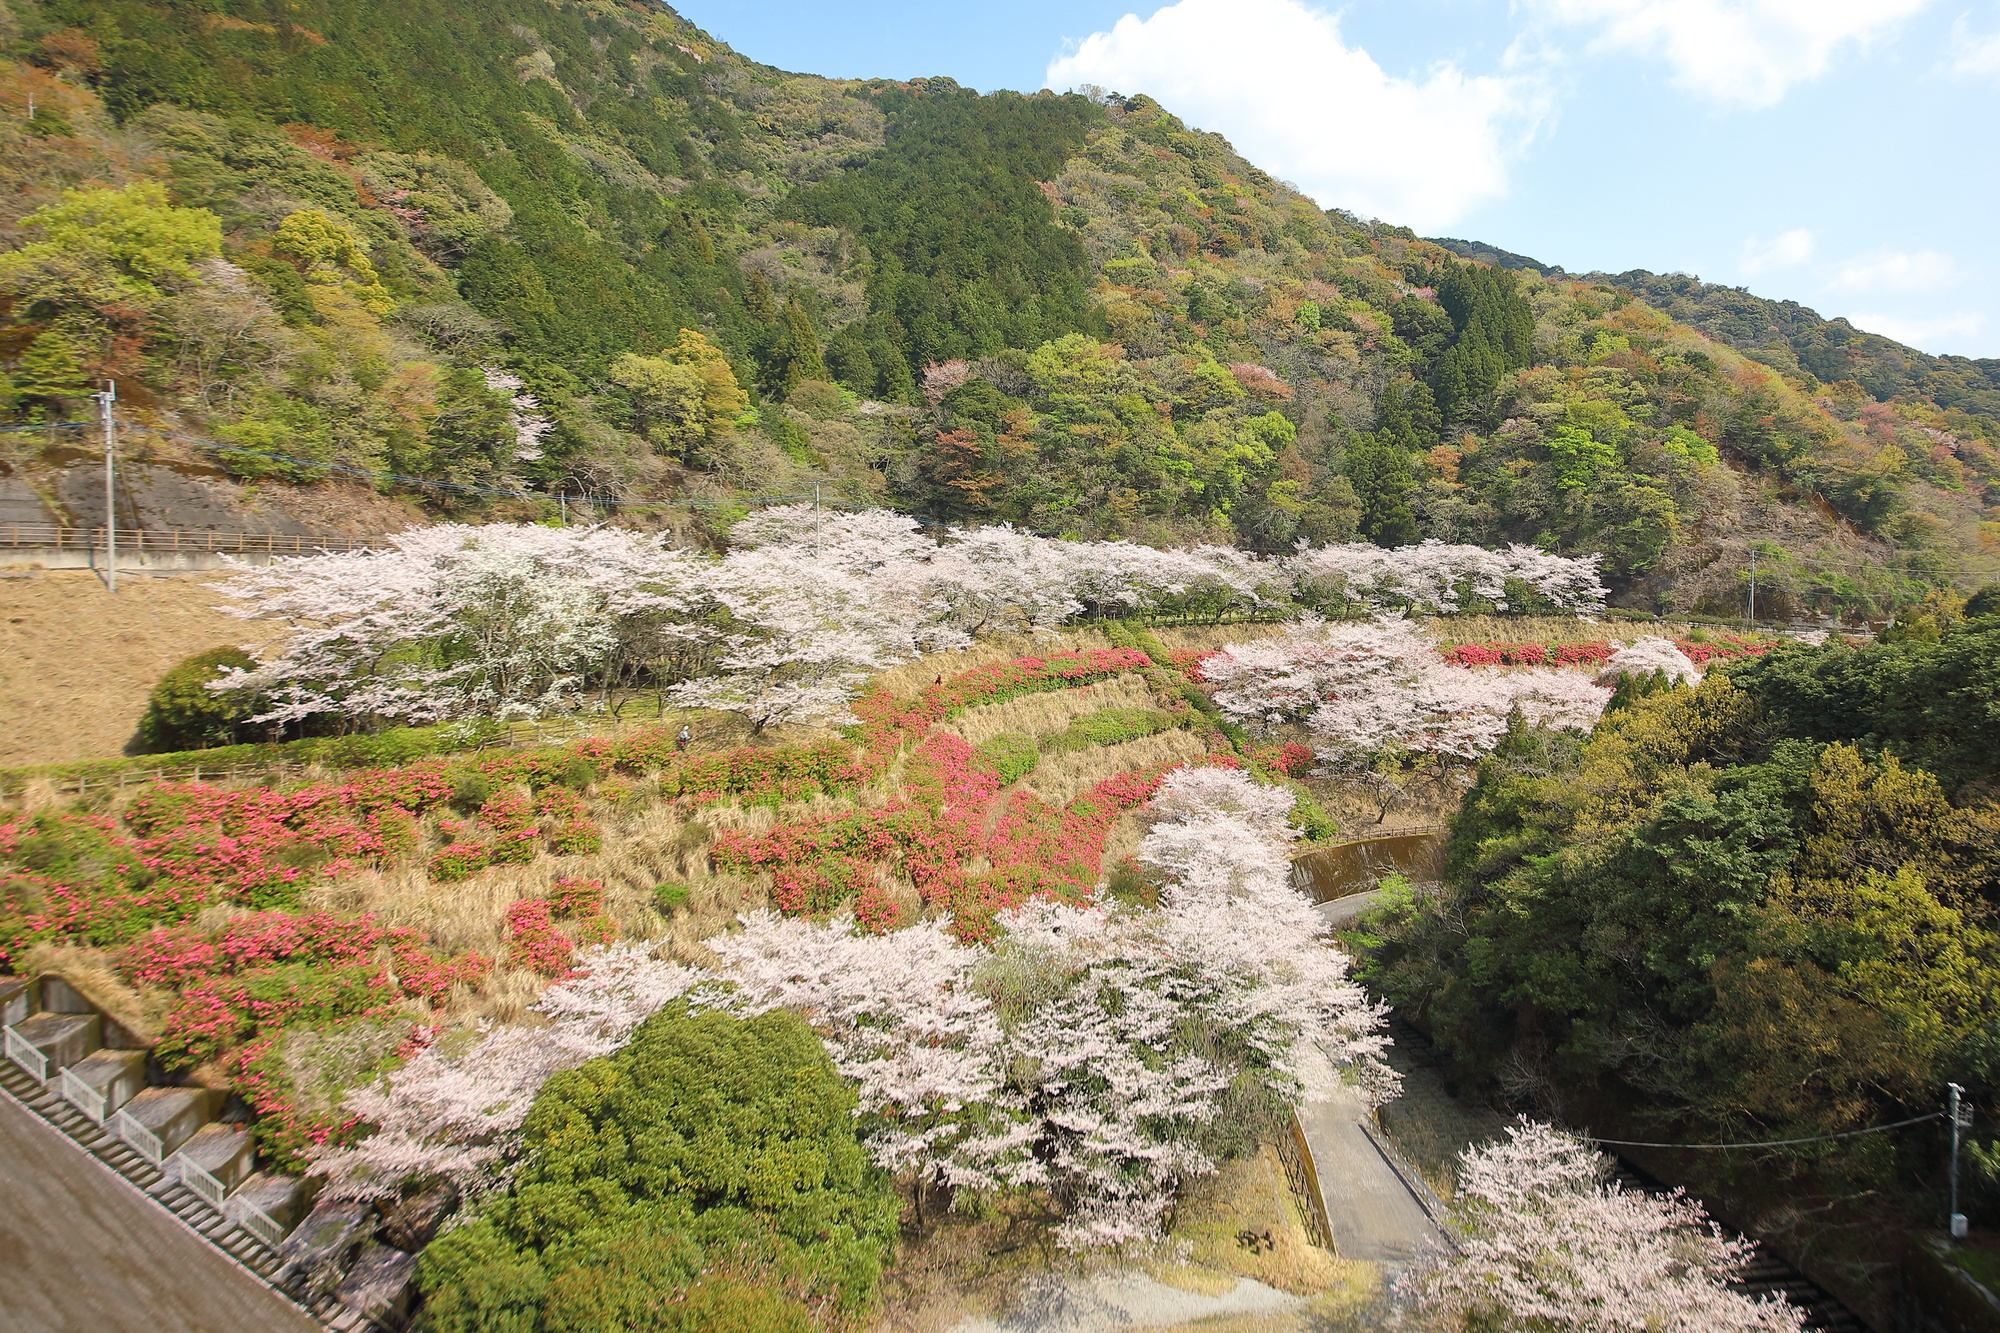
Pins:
x: 1753, y: 587
x: 563, y: 500
x: 104, y: 402
x: 1961, y: 1118
x: 815, y: 518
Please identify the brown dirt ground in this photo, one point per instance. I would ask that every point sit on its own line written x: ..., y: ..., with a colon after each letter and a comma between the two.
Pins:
x: 76, y: 663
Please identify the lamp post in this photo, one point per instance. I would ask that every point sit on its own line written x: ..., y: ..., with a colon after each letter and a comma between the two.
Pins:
x: 104, y: 402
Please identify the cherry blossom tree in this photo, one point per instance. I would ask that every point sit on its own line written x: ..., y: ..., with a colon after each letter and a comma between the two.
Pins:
x: 454, y: 1112
x: 1438, y: 578
x: 454, y: 621
x: 1377, y: 687
x: 801, y: 638
x: 524, y: 413
x: 1645, y: 656
x: 1550, y: 1245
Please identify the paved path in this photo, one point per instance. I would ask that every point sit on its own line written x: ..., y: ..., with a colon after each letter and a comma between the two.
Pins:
x: 1342, y: 911
x: 82, y: 1251
x: 1371, y: 1212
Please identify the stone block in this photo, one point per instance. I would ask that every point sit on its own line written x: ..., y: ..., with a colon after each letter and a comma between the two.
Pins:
x: 411, y: 1223
x: 117, y: 1076
x: 320, y: 1249
x: 63, y: 1039
x: 381, y: 1284
x: 170, y: 1115
x: 226, y: 1152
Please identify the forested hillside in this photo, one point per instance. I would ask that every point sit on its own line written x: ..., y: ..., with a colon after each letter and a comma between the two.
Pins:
x: 581, y: 248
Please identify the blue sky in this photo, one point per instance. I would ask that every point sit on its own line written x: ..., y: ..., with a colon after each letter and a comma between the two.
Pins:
x: 1841, y: 153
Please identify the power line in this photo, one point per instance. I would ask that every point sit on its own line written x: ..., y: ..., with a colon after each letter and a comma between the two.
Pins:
x: 431, y: 483
x: 1777, y: 1143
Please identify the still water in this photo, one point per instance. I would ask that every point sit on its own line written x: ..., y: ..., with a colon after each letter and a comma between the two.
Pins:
x: 1353, y: 867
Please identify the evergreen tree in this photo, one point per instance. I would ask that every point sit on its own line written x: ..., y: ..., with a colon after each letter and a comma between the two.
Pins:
x: 50, y: 370
x: 1379, y: 471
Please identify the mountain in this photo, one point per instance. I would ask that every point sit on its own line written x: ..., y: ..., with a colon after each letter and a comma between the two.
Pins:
x: 490, y: 254
x: 1795, y: 339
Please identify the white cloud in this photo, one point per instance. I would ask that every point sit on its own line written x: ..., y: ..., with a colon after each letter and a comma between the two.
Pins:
x: 1275, y: 78
x: 1971, y: 54
x: 1920, y: 271
x: 1787, y: 251
x: 1936, y: 334
x: 1747, y: 52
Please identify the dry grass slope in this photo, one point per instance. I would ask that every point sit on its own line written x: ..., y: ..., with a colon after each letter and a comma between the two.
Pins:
x: 76, y: 663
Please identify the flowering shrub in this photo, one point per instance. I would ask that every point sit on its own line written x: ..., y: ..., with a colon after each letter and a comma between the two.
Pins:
x: 505, y: 813
x: 574, y: 899
x: 461, y: 860
x: 513, y: 849
x: 876, y: 912
x: 1188, y: 661
x: 285, y: 1134
x: 1587, y: 654
x: 539, y: 945
x: 534, y: 942
x: 1290, y: 758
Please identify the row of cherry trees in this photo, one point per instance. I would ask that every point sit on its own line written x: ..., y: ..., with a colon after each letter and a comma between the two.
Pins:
x: 1362, y: 689
x: 507, y: 621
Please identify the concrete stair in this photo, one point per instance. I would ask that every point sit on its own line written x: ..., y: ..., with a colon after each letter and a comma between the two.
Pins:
x: 169, y: 1193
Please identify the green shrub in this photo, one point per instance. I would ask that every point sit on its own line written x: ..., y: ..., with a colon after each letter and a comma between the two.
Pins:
x: 1013, y: 755
x: 1110, y: 726
x: 469, y: 791
x: 182, y: 713
x: 669, y: 898
x: 710, y: 1145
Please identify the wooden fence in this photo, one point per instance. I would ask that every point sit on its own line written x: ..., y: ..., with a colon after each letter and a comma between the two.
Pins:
x: 280, y: 770
x: 138, y: 541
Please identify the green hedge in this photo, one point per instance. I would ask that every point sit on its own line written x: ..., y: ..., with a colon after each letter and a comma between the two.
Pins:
x: 1110, y: 726
x: 705, y: 1177
x: 1012, y: 754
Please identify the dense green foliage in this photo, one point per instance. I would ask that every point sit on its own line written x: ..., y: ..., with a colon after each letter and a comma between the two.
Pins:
x: 182, y: 713
x: 968, y: 258
x: 1766, y: 903
x: 706, y: 1176
x: 339, y: 238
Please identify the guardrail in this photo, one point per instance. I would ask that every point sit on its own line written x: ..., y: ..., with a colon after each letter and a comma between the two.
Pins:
x: 144, y: 1141
x: 198, y: 1179
x: 25, y: 1054
x: 140, y: 541
x: 256, y: 1221
x: 83, y: 1097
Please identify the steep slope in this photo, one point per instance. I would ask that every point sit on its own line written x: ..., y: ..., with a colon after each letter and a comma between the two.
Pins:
x: 582, y: 248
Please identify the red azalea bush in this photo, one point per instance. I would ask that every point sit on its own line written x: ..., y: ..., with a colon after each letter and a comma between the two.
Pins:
x: 537, y: 943
x: 1188, y: 661
x: 1587, y: 654
x: 1289, y: 758
x: 504, y: 812
x: 461, y: 860
x: 876, y: 912
x: 514, y: 849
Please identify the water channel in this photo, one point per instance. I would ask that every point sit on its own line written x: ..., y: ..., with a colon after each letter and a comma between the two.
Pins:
x: 1342, y: 879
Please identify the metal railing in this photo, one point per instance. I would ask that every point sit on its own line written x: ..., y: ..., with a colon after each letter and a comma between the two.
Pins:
x: 257, y: 1222
x: 139, y: 541
x: 198, y: 1179
x: 84, y: 1097
x: 25, y: 1054
x: 143, y: 1140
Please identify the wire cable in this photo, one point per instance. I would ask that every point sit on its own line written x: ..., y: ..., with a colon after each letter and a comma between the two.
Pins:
x: 432, y: 483
x: 1774, y: 1143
